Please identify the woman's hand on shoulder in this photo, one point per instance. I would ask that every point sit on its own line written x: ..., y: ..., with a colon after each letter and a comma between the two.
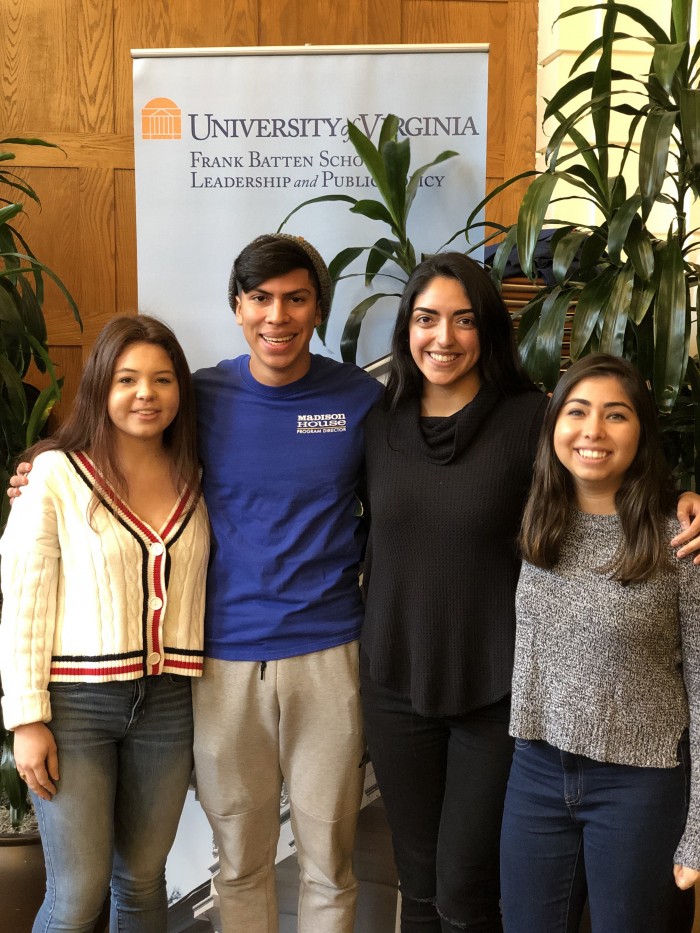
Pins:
x: 36, y: 757
x: 18, y: 480
x: 688, y: 541
x: 685, y: 877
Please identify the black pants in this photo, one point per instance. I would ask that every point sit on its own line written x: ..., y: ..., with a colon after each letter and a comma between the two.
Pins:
x: 443, y: 782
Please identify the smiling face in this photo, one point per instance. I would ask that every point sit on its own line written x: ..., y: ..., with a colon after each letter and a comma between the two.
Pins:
x: 278, y: 320
x: 444, y: 342
x: 596, y: 438
x: 144, y: 395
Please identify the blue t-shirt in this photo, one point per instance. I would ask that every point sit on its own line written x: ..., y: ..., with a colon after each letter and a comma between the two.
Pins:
x: 281, y: 467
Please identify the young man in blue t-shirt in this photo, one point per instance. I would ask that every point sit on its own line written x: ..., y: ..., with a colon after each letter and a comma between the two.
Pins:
x: 281, y: 440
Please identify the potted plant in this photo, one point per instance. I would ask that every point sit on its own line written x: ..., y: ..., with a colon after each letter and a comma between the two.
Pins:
x: 23, y: 413
x: 622, y: 288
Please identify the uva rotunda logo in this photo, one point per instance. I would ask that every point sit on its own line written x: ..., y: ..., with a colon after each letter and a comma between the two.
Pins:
x: 161, y: 118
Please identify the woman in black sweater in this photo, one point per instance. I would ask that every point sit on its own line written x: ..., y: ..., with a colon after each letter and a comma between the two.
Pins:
x: 449, y: 464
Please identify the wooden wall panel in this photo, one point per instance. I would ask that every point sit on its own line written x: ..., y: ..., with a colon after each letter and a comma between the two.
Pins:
x: 510, y: 29
x: 325, y: 22
x: 125, y: 238
x: 322, y: 22
x: 39, y: 57
x: 65, y: 75
x: 96, y: 66
x: 97, y: 240
x: 520, y: 128
x: 384, y: 22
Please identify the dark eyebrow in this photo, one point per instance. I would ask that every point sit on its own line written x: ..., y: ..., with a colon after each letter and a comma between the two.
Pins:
x: 295, y: 291
x: 126, y: 369
x: 433, y: 311
x: 583, y: 401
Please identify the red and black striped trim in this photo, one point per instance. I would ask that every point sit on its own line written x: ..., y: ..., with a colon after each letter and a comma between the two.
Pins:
x: 154, y: 658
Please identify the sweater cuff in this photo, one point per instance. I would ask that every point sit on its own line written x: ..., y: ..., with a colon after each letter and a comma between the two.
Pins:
x: 34, y: 706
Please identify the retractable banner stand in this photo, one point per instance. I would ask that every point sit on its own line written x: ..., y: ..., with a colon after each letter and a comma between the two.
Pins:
x: 229, y: 141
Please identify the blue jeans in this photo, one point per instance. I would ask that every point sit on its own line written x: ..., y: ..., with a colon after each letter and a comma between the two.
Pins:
x: 125, y: 760
x: 571, y: 823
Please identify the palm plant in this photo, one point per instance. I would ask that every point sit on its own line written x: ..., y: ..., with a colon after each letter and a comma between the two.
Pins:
x: 388, y: 164
x: 23, y: 341
x: 631, y: 291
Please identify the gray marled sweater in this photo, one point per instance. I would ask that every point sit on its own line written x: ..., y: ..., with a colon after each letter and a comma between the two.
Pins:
x: 608, y: 671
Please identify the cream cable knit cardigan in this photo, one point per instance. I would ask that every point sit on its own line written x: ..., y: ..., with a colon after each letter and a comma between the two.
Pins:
x: 110, y: 599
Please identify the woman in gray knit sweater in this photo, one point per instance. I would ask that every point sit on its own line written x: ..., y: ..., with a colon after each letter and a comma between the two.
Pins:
x: 604, y: 792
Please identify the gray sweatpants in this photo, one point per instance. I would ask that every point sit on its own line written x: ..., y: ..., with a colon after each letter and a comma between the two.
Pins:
x: 301, y: 721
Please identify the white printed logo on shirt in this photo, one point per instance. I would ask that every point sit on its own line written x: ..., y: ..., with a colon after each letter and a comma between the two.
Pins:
x: 321, y: 424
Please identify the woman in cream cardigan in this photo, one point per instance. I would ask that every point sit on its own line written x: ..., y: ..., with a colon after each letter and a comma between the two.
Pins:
x: 103, y: 575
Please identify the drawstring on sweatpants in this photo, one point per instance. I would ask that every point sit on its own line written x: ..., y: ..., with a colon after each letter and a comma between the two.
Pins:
x: 263, y: 665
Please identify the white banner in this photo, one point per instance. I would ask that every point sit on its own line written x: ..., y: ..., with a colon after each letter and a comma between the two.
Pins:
x: 229, y: 141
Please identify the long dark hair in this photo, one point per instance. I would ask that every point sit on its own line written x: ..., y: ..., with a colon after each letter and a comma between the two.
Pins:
x: 88, y: 426
x: 643, y: 502
x: 499, y: 364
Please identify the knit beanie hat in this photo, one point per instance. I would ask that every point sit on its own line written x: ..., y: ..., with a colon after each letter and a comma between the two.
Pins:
x: 321, y: 269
